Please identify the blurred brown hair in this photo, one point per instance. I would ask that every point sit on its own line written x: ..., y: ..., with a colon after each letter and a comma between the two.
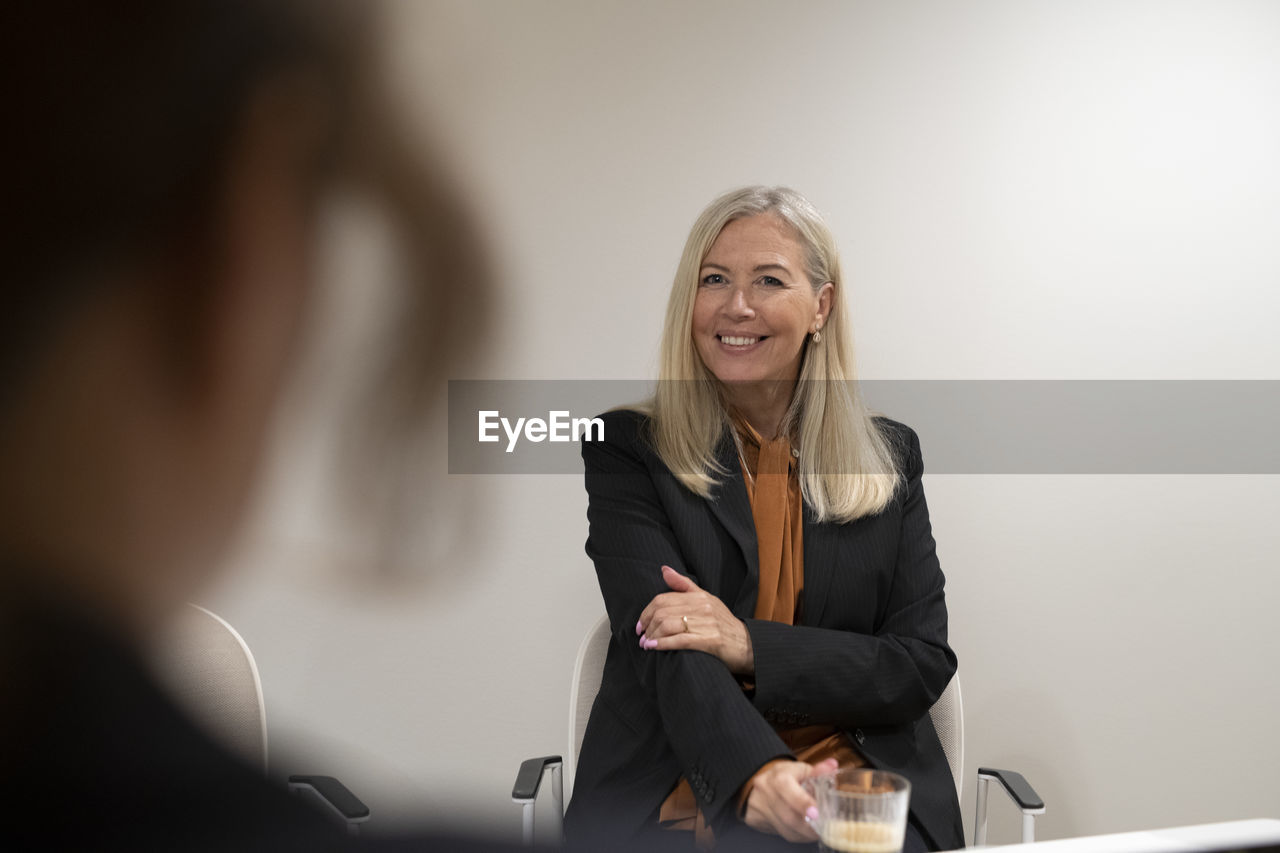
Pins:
x: 119, y: 118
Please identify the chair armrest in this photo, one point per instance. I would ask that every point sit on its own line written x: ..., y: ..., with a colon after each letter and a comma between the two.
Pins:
x: 525, y: 790
x: 529, y: 777
x: 1017, y: 787
x: 1019, y: 790
x: 333, y: 794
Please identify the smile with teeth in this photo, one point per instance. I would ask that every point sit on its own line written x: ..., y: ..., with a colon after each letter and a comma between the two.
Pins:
x: 739, y: 340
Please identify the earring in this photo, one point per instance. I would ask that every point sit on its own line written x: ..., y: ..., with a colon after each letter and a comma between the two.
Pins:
x: 817, y: 336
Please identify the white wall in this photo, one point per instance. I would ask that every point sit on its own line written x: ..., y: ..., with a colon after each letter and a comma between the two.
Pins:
x: 1020, y: 189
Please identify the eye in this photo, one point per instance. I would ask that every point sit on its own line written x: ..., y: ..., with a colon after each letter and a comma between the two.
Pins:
x: 770, y: 281
x: 713, y: 279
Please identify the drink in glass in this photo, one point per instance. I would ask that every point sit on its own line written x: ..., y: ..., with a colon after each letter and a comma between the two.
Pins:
x: 860, y: 810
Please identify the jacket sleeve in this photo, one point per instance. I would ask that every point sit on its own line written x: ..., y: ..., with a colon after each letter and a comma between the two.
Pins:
x: 812, y: 675
x: 719, y: 739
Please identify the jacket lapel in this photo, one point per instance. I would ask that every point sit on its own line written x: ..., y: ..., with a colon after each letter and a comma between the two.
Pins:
x: 730, y: 505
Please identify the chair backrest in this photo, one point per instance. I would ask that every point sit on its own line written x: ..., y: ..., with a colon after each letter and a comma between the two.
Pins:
x: 588, y: 670
x: 947, y: 713
x: 212, y: 675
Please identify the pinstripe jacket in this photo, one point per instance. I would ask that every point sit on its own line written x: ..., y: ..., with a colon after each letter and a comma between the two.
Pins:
x: 870, y: 656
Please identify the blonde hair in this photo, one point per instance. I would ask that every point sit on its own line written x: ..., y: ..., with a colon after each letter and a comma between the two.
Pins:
x: 846, y: 465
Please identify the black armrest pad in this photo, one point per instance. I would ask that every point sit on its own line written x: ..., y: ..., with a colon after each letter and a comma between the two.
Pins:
x: 336, y: 794
x: 530, y: 776
x: 1018, y: 787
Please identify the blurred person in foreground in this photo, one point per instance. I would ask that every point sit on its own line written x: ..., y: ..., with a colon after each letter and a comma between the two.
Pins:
x: 165, y: 163
x: 763, y: 546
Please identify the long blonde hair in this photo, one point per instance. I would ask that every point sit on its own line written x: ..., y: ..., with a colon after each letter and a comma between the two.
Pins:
x: 846, y: 465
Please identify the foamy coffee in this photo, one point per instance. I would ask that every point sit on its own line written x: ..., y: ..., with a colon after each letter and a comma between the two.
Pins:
x: 859, y: 836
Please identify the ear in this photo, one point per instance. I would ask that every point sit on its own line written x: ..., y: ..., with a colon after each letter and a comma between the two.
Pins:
x: 826, y: 294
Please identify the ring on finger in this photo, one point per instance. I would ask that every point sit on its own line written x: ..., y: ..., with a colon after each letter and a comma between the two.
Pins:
x: 685, y: 619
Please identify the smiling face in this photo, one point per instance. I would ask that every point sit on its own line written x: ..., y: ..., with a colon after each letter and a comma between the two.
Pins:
x: 755, y: 304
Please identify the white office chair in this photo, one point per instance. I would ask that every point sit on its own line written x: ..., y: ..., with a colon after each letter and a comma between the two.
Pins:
x: 212, y: 674
x: 947, y: 715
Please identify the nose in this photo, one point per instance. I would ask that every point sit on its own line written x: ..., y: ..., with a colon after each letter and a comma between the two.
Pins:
x: 739, y: 306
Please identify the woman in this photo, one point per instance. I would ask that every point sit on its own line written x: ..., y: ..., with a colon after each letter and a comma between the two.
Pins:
x: 163, y: 194
x: 765, y: 555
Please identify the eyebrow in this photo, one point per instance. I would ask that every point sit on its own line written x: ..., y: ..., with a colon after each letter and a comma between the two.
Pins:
x: 760, y: 268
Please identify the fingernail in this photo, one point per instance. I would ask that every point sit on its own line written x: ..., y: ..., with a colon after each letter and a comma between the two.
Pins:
x: 639, y: 627
x: 650, y: 644
x: 811, y: 813
x: 641, y: 643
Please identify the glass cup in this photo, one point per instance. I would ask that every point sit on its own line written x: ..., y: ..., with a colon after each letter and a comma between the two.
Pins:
x: 860, y: 810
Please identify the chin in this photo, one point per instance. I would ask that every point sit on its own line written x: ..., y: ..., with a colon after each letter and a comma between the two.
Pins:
x: 740, y: 377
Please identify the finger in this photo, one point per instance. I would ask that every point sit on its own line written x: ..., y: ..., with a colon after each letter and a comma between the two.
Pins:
x: 655, y: 604
x: 666, y: 621
x: 789, y: 825
x: 824, y: 768
x: 793, y: 826
x: 677, y: 642
x: 760, y: 823
x: 757, y: 818
x: 675, y: 624
x: 651, y: 611
x: 670, y: 631
x: 660, y: 606
x: 677, y: 581
x: 794, y: 798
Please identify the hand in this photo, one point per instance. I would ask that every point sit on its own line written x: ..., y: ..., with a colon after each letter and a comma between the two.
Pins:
x: 778, y: 804
x: 691, y: 618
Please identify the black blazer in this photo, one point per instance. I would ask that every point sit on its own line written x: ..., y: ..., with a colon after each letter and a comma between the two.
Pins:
x: 870, y: 657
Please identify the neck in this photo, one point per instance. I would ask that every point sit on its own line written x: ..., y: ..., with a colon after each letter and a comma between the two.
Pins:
x: 761, y: 404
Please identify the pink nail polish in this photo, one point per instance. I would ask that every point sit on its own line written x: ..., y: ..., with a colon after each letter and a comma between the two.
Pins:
x: 811, y: 813
x: 639, y: 627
